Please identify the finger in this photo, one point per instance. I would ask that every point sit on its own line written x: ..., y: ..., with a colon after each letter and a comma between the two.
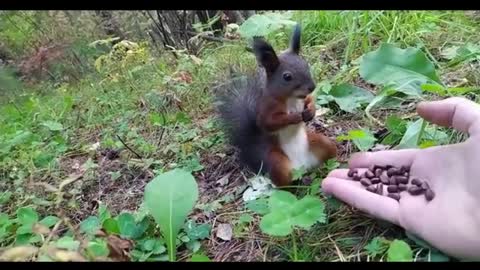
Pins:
x: 354, y: 194
x: 339, y: 173
x: 459, y: 113
x: 396, y: 158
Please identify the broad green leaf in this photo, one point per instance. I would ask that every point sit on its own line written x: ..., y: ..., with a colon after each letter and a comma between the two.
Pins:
x: 90, y: 225
x: 199, y: 258
x: 67, y: 242
x: 126, y: 225
x: 27, y: 216
x: 49, y: 221
x: 411, y: 138
x: 24, y: 229
x: 197, y: 232
x: 111, y: 226
x: 170, y: 197
x: 399, y: 251
x: 307, y: 211
x: 281, y: 200
x: 52, y: 125
x: 98, y: 248
x: 349, y: 98
x: 276, y: 223
x: 405, y: 70
x: 259, y: 206
x: 264, y: 24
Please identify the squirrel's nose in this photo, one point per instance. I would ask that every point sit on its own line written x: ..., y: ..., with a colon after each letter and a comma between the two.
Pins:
x: 311, y: 87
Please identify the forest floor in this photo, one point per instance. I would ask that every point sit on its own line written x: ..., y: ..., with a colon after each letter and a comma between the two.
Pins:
x: 76, y: 157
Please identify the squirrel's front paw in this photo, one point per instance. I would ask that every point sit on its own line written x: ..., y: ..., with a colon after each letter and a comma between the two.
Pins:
x: 307, y: 115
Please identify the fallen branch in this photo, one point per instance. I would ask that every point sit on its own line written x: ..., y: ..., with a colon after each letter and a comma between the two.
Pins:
x: 130, y: 149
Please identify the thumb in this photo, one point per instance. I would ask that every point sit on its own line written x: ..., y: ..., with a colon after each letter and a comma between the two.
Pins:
x: 459, y: 113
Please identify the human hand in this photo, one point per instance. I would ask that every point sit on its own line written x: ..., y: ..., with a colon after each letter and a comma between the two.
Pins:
x: 451, y: 221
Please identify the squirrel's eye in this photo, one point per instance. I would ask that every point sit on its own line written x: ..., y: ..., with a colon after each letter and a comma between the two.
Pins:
x: 287, y: 76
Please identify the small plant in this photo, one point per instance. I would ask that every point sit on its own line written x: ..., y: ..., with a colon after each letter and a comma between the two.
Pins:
x: 287, y: 213
x: 169, y: 198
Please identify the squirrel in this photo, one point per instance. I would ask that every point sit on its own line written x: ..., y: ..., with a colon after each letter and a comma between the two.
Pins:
x: 265, y: 115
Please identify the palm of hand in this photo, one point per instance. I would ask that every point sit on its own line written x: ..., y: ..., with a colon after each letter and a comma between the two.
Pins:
x: 451, y: 221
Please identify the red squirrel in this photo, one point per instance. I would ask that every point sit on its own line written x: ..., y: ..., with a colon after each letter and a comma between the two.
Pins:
x: 265, y: 115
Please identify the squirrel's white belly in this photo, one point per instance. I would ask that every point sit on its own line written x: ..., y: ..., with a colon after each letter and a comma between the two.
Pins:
x: 294, y: 141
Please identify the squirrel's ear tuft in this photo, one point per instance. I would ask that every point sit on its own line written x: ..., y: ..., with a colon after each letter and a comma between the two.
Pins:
x: 265, y: 54
x: 295, y: 42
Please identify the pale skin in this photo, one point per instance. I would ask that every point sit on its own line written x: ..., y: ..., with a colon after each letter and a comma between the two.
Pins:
x: 451, y: 221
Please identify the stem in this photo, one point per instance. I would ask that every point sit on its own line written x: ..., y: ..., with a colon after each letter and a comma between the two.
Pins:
x: 295, y: 254
x: 422, y: 130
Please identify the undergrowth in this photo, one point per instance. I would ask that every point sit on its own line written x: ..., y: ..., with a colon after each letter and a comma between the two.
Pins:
x: 77, y: 155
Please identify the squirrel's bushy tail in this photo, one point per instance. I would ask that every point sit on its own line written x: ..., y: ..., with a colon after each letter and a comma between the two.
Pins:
x: 236, y: 105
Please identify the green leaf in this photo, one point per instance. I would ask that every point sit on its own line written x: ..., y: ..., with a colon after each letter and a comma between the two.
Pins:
x: 259, y: 206
x: 67, y: 242
x: 264, y: 24
x: 90, y: 225
x: 98, y: 248
x: 469, y: 51
x: 5, y: 197
x: 298, y: 173
x: 288, y: 212
x: 399, y: 251
x: 434, y: 88
x: 197, y: 232
x: 412, y: 135
x: 362, y: 138
x: 24, y: 229
x: 194, y: 245
x: 405, y: 70
x: 103, y: 213
x: 52, y: 125
x: 126, y: 225
x: 111, y: 226
x: 281, y: 200
x: 276, y: 223
x: 169, y: 198
x: 436, y: 256
x: 396, y: 127
x: 4, y: 220
x: 49, y: 221
x: 199, y: 258
x: 308, y: 211
x: 349, y: 98
x: 245, y: 218
x: 27, y: 216
x: 377, y: 246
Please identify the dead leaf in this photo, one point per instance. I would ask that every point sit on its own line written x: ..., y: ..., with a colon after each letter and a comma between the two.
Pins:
x: 321, y: 111
x: 196, y: 60
x: 119, y: 248
x: 224, y: 180
x: 66, y: 256
x: 224, y: 232
x: 18, y: 254
x: 40, y: 229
